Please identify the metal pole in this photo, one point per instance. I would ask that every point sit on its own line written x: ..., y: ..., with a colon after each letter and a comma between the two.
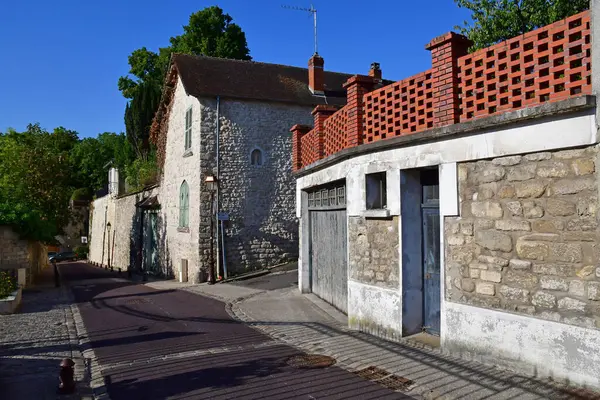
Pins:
x: 315, y: 22
x: 211, y: 273
x: 215, y: 207
x: 223, y: 251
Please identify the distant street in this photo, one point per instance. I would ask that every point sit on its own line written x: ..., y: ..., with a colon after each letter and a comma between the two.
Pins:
x: 159, y: 344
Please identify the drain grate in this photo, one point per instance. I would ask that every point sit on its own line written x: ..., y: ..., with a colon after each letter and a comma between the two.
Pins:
x: 395, y: 382
x: 311, y: 361
x: 384, y: 378
x: 372, y: 373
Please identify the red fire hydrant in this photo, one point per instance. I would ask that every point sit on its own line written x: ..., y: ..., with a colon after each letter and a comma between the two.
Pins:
x: 67, y: 382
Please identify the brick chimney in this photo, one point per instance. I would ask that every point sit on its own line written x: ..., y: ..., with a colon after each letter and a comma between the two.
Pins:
x: 375, y: 71
x: 316, y: 74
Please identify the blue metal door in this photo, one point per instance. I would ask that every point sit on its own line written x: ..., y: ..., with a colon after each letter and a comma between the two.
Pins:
x: 431, y: 259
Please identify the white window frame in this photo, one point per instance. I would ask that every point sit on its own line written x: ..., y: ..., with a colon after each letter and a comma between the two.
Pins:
x: 188, y: 128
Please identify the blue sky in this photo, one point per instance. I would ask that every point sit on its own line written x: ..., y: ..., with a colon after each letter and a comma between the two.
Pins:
x: 60, y: 60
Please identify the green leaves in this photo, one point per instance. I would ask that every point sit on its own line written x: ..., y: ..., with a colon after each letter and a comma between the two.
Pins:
x: 209, y: 32
x: 35, y: 180
x: 494, y: 21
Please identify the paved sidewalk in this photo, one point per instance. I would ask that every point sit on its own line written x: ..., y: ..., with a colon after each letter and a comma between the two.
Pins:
x: 310, y: 324
x: 35, y: 340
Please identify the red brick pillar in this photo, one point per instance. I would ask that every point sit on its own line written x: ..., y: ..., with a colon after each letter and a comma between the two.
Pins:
x: 297, y: 132
x: 320, y: 114
x: 445, y: 51
x: 356, y: 87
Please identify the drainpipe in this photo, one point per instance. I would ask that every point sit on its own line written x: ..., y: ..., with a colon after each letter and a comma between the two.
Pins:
x: 217, y: 209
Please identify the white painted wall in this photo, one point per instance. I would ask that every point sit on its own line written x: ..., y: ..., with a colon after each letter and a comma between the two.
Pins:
x: 177, y: 168
x: 464, y: 326
x: 530, y: 345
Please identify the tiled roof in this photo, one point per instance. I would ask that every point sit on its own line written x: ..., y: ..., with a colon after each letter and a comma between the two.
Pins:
x: 209, y: 76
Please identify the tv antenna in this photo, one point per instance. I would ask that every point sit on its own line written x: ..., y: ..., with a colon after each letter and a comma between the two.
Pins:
x: 312, y: 11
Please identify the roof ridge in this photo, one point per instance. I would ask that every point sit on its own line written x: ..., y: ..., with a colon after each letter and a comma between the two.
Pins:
x: 254, y: 62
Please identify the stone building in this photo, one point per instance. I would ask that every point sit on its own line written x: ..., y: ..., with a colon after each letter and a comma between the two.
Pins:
x: 230, y: 120
x: 463, y: 202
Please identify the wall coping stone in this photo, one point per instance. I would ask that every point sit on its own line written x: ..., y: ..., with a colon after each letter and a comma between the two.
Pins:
x: 570, y: 105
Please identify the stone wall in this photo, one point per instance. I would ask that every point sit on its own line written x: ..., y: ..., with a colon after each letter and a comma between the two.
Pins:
x: 182, y: 244
x: 373, y: 251
x: 526, y: 240
x: 260, y: 199
x: 125, y: 234
x: 16, y: 253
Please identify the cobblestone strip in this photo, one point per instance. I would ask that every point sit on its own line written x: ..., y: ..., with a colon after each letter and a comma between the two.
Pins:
x: 438, y: 376
x: 93, y: 370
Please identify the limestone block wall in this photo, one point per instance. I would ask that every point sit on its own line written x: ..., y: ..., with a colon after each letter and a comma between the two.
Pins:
x: 97, y: 239
x: 526, y: 240
x: 373, y: 256
x: 13, y: 251
x: 125, y: 234
x: 260, y: 199
x: 181, y: 165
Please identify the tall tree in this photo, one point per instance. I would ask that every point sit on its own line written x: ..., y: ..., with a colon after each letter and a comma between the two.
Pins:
x: 494, y: 21
x: 209, y: 32
x: 90, y: 159
x: 35, y: 180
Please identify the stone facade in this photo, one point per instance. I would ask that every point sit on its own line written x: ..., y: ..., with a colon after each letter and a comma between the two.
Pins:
x: 18, y: 254
x: 182, y: 165
x: 526, y: 240
x: 124, y: 244
x: 260, y: 199
x: 373, y: 256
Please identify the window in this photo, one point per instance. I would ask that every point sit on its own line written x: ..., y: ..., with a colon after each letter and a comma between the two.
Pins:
x: 256, y: 157
x: 188, y: 128
x: 184, y: 206
x: 329, y: 196
x: 376, y: 191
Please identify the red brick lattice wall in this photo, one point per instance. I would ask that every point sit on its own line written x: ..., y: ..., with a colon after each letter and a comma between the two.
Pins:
x: 549, y: 64
x: 400, y: 108
x: 309, y: 148
x: 335, y: 131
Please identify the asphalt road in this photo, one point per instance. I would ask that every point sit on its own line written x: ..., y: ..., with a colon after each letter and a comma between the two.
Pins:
x: 170, y: 344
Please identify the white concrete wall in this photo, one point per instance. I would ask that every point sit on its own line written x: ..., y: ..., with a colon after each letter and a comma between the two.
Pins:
x: 179, y: 166
x: 529, y: 345
x: 98, y: 221
x: 462, y: 326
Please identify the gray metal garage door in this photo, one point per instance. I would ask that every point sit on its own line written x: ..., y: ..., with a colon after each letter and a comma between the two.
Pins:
x: 328, y: 241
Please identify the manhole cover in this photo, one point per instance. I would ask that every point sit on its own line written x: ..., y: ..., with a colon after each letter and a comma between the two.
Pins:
x: 394, y: 382
x: 372, y: 373
x: 311, y: 361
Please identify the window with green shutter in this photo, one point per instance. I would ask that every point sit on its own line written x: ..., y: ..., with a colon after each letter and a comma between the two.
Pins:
x: 184, y: 206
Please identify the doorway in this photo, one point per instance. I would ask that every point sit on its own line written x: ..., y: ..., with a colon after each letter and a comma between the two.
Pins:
x: 421, y: 297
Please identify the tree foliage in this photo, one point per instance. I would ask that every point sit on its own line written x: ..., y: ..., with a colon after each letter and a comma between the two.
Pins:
x: 92, y: 157
x: 209, y: 32
x: 495, y: 21
x: 35, y: 180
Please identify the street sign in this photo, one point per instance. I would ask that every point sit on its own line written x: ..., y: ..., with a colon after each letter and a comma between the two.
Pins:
x: 84, y: 239
x: 223, y: 216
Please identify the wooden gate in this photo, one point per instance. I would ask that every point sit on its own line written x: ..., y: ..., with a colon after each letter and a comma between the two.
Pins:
x: 328, y: 245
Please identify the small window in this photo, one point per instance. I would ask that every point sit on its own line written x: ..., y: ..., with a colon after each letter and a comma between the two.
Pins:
x: 184, y: 206
x: 188, y: 128
x: 376, y: 191
x: 256, y: 157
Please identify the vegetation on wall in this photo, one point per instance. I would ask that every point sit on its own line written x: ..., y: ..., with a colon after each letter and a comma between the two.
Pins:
x: 495, y: 21
x: 7, y: 284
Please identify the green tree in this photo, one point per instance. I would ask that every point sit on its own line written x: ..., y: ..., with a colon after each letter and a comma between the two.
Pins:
x: 35, y: 180
x: 209, y: 32
x: 494, y: 21
x: 92, y: 157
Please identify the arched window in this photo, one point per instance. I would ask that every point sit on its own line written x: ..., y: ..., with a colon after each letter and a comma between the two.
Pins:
x: 184, y: 205
x: 256, y: 157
